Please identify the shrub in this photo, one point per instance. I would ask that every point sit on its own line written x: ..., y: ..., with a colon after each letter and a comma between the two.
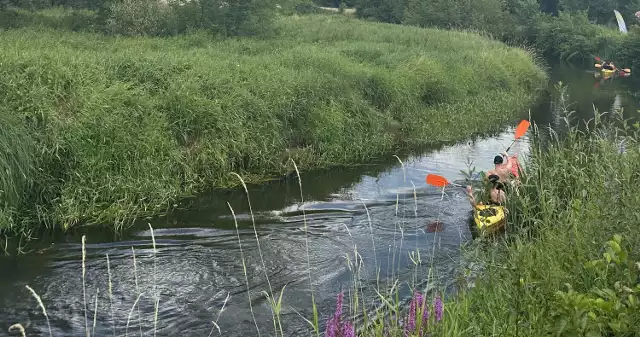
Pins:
x: 140, y: 17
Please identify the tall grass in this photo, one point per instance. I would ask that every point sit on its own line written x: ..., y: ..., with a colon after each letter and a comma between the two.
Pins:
x: 16, y: 165
x: 578, y: 192
x: 124, y: 127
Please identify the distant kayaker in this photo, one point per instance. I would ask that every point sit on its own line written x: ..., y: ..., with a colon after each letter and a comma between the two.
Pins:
x: 496, y: 193
x: 608, y: 66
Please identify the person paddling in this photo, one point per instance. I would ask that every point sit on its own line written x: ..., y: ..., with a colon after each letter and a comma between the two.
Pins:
x: 608, y: 66
x: 503, y: 167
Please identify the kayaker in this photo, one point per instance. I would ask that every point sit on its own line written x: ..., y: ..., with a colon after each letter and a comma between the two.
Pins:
x: 496, y: 193
x: 502, y: 169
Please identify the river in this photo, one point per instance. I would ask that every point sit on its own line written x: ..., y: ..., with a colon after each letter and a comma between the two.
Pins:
x: 197, y: 264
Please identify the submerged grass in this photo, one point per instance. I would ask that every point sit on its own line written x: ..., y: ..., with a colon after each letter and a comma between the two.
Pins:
x: 123, y: 127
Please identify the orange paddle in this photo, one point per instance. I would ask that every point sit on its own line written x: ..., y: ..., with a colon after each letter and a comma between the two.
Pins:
x: 520, y: 131
x: 439, y: 181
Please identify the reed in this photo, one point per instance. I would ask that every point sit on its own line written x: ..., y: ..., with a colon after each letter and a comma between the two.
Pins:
x: 314, y: 322
x: 110, y: 291
x: 244, y: 270
x: 44, y: 311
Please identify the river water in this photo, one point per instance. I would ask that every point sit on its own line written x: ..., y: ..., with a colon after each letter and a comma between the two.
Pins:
x: 198, y: 267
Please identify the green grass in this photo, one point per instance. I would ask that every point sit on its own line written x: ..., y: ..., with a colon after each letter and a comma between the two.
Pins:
x: 124, y: 127
x: 16, y: 165
x: 578, y: 193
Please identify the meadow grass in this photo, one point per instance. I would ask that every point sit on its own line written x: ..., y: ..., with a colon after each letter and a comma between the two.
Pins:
x: 124, y: 127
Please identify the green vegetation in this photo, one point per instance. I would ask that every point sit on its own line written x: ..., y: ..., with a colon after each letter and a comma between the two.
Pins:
x: 568, y: 266
x: 141, y: 17
x: 126, y: 126
x: 566, y: 29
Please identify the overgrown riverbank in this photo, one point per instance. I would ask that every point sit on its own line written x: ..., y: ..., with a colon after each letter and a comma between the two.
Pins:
x: 569, y: 264
x: 120, y: 127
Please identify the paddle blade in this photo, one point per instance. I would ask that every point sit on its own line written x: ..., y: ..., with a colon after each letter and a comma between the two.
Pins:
x: 598, y: 65
x: 626, y: 70
x: 598, y: 59
x: 522, y: 128
x: 436, y: 180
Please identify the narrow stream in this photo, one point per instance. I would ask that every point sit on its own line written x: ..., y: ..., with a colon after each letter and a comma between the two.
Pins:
x: 198, y: 262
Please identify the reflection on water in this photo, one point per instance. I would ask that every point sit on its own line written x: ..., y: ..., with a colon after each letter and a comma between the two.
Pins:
x: 384, y: 209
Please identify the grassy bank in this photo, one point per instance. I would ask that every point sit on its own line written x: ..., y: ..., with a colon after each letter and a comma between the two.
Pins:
x: 124, y: 126
x: 568, y: 265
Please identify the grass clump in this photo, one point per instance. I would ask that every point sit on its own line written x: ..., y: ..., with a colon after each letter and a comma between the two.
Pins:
x: 126, y: 126
x: 568, y: 266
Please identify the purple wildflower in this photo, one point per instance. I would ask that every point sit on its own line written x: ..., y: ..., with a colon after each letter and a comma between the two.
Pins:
x: 332, y: 328
x: 338, y: 313
x: 425, y: 311
x: 335, y: 322
x: 438, y: 308
x: 410, y: 325
x: 348, y: 330
x: 425, y: 315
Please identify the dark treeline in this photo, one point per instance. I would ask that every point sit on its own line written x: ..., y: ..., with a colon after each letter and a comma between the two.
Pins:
x: 147, y: 17
x: 565, y: 29
x: 496, y: 16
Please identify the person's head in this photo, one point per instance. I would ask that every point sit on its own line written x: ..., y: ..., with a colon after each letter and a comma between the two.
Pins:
x: 494, y: 178
x: 497, y: 160
x: 495, y: 182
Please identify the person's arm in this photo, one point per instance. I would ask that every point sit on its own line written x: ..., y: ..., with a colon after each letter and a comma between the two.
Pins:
x: 508, y: 162
x: 502, y: 196
x: 472, y: 198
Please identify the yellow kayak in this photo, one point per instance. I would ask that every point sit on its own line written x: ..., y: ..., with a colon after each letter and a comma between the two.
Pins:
x: 607, y: 72
x: 489, y: 218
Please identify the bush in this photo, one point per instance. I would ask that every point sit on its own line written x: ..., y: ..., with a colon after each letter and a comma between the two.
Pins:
x: 56, y: 18
x: 629, y: 51
x: 481, y: 15
x: 141, y: 17
x: 570, y: 36
x: 391, y: 11
x: 308, y: 8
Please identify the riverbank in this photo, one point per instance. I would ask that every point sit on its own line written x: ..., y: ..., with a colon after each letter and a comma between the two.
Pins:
x: 563, y: 234
x: 123, y: 127
x: 569, y: 264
